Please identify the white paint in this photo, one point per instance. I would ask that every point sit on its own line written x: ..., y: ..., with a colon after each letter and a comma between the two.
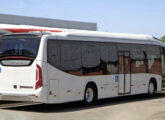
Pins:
x: 68, y: 87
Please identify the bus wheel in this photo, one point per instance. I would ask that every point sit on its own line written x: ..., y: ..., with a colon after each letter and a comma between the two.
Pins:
x: 90, y: 94
x: 151, y: 88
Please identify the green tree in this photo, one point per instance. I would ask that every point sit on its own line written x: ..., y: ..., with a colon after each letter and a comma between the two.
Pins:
x: 163, y: 39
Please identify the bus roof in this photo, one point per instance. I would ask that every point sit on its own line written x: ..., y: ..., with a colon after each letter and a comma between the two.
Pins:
x: 109, y: 37
x: 83, y: 35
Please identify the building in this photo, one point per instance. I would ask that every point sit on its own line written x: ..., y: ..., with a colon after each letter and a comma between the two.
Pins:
x: 44, y: 22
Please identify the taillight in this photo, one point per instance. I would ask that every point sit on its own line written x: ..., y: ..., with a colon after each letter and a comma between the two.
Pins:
x: 38, y: 77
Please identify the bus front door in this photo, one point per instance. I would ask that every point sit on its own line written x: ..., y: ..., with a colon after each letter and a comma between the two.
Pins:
x: 124, y: 73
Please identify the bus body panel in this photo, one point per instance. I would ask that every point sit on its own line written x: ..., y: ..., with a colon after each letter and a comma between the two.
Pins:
x: 19, y: 79
x: 61, y: 87
x: 26, y: 79
x: 19, y: 82
x: 140, y: 83
x: 69, y: 86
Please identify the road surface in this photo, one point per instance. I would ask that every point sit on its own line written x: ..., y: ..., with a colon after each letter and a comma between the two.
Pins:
x: 139, y: 107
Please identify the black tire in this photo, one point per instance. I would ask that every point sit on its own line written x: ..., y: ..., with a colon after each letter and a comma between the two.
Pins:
x: 151, y: 88
x: 90, y: 94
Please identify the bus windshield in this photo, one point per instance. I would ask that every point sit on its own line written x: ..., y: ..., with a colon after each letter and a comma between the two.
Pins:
x: 19, y: 45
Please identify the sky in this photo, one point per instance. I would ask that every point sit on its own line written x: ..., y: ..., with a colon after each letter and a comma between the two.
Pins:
x: 121, y: 16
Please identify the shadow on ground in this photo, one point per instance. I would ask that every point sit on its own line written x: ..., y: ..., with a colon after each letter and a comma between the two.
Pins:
x: 78, y: 106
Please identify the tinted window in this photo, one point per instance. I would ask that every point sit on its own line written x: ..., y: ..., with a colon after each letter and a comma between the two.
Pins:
x: 139, y: 59
x: 163, y: 61
x: 109, y: 58
x: 54, y: 57
x: 83, y: 58
x: 92, y: 58
x: 154, y: 61
x: 70, y: 55
x: 19, y: 46
x: 90, y: 55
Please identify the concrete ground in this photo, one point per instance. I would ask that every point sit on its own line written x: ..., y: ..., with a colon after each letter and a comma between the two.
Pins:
x: 139, y: 107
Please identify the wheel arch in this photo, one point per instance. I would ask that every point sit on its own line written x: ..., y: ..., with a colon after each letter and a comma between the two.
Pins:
x: 154, y: 81
x: 95, y: 85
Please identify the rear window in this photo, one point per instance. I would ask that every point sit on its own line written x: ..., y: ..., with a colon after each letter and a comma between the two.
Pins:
x: 19, y: 45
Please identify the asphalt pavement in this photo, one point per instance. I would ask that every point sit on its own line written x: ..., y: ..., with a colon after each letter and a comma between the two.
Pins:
x: 138, y: 107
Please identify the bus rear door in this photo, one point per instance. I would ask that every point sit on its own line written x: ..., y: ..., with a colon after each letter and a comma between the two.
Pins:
x: 124, y: 73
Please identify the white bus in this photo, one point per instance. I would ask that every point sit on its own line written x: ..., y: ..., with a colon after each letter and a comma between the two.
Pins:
x: 81, y: 65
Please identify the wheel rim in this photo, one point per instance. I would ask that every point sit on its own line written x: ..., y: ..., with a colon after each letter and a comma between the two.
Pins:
x: 151, y: 88
x: 89, y: 95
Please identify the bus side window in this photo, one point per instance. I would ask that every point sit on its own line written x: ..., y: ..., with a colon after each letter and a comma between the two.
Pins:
x: 154, y: 59
x: 138, y: 59
x: 83, y: 58
x: 64, y: 55
x: 70, y: 56
x: 53, y: 53
x: 109, y: 58
x: 163, y: 62
x: 90, y: 58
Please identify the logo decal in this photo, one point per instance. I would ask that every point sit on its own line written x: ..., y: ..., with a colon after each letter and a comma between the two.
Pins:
x: 116, y: 78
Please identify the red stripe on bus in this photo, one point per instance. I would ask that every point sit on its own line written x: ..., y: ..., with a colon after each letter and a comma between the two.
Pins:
x: 24, y: 30
x: 26, y: 58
